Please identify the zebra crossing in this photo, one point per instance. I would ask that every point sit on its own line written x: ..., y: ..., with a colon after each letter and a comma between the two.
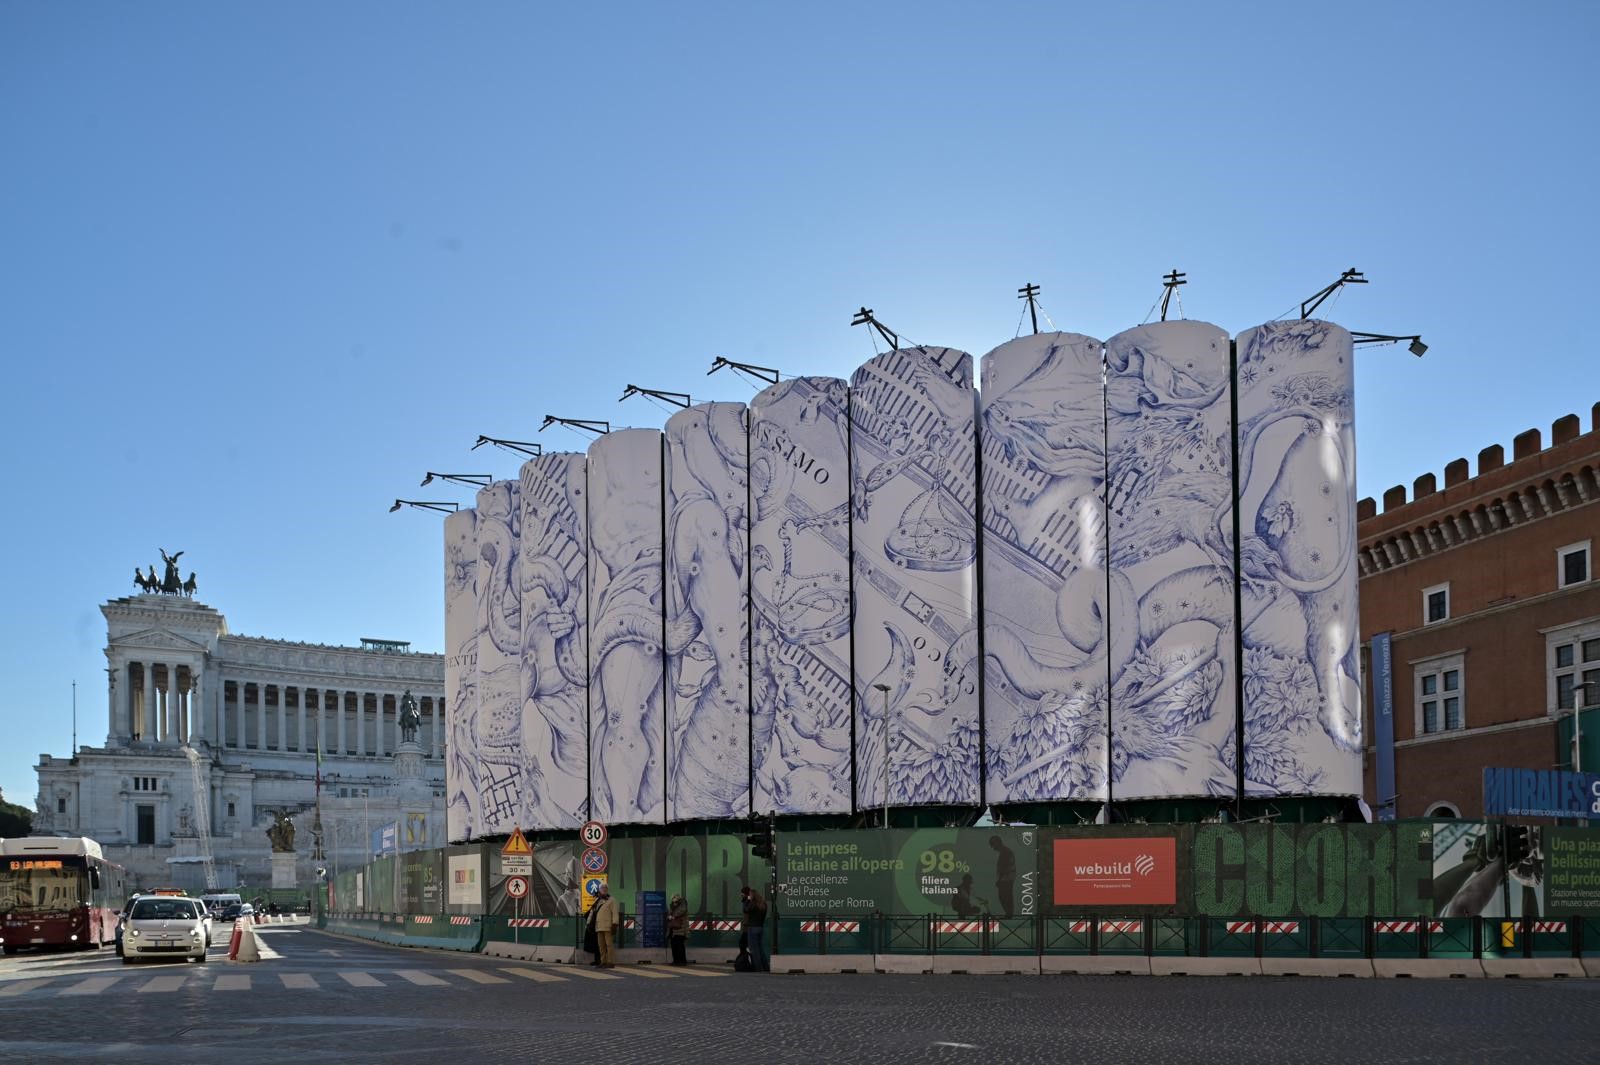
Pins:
x: 462, y: 979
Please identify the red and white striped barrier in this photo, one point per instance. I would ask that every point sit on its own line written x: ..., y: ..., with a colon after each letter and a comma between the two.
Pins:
x: 715, y: 926
x: 966, y: 926
x: 1398, y: 927
x: 461, y: 920
x: 423, y: 919
x: 1544, y: 926
x: 833, y: 926
x: 1082, y: 927
x: 528, y: 922
x: 1286, y: 928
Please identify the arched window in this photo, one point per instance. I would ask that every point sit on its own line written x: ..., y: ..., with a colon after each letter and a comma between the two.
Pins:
x: 1444, y: 809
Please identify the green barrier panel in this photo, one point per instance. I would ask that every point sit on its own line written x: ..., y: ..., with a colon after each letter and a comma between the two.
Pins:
x: 1014, y: 935
x: 446, y: 933
x: 825, y: 935
x: 1398, y: 937
x: 532, y: 931
x: 1589, y: 942
x: 1121, y: 935
x: 1231, y: 938
x: 1068, y: 935
x: 958, y: 935
x: 1286, y: 938
x: 714, y: 930
x: 1550, y: 937
x: 1452, y: 937
x: 1171, y: 936
x: 904, y: 935
x: 1341, y: 937
x: 1533, y: 937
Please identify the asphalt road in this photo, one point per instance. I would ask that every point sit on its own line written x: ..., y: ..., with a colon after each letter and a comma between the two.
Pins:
x: 317, y: 997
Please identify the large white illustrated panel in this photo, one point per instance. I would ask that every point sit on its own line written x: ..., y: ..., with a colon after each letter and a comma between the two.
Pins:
x: 506, y: 791
x: 913, y: 499
x: 708, y: 601
x: 627, y: 758
x: 461, y: 673
x: 553, y: 582
x: 1169, y: 496
x: 1045, y: 626
x: 1297, y: 476
x: 800, y: 596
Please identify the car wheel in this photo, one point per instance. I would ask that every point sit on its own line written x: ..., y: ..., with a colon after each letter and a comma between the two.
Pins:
x: 127, y: 960
x: 200, y: 958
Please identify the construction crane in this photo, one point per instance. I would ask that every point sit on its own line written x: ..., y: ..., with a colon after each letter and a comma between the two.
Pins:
x: 202, y: 805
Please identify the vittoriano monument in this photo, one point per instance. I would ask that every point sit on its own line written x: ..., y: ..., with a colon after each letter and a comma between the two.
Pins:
x: 170, y: 584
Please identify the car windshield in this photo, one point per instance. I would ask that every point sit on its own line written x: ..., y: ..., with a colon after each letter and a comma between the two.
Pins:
x: 163, y: 910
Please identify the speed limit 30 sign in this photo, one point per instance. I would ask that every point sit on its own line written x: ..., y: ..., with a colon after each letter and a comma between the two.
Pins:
x: 593, y: 834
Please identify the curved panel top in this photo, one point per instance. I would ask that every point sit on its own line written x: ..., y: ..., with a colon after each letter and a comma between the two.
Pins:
x: 621, y: 441
x: 718, y: 430
x: 1161, y: 364
x: 1038, y: 356
x: 955, y: 365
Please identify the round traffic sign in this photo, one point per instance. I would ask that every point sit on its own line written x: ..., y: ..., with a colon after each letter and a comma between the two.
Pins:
x: 517, y: 886
x: 594, y: 861
x: 593, y: 834
x: 592, y: 886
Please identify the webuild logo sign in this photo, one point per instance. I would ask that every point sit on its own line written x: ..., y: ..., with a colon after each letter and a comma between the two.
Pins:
x: 1125, y: 870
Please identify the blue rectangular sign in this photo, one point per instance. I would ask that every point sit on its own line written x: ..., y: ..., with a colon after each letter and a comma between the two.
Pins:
x: 1383, y: 723
x: 1540, y: 793
x: 386, y: 840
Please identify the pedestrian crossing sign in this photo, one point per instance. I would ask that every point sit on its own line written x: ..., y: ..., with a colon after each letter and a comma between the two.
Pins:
x: 593, y: 884
x: 517, y: 844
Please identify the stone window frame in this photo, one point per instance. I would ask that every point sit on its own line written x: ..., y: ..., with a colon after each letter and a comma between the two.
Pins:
x: 1582, y: 546
x: 1443, y: 808
x: 1427, y: 594
x: 1438, y: 666
x: 1575, y: 635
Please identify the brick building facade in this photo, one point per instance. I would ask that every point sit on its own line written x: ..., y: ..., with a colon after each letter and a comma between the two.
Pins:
x: 1487, y: 585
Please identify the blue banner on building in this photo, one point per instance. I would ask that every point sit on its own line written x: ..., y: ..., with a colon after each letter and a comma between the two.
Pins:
x: 1383, y: 723
x: 386, y: 840
x: 1540, y: 793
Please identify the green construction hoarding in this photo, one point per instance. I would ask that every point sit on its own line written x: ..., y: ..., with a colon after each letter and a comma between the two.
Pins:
x: 961, y: 871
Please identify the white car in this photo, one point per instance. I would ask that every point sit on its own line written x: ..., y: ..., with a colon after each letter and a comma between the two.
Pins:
x: 164, y: 926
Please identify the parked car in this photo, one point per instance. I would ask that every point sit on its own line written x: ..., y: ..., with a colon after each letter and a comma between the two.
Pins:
x: 164, y: 926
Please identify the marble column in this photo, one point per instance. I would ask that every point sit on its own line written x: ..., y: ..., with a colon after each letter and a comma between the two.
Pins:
x: 437, y: 746
x: 197, y: 706
x: 261, y: 717
x: 115, y: 675
x: 338, y: 712
x: 377, y: 718
x: 283, y: 718
x: 240, y: 735
x: 300, y: 719
x: 361, y: 723
x: 164, y: 713
x: 136, y: 696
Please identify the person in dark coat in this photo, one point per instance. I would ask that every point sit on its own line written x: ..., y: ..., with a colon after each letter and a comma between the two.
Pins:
x: 755, y: 928
x: 591, y: 938
x: 678, y: 929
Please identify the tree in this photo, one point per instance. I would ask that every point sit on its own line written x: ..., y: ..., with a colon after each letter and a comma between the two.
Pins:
x: 15, y: 820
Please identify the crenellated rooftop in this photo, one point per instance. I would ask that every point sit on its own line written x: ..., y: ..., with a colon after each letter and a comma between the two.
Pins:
x: 1537, y: 482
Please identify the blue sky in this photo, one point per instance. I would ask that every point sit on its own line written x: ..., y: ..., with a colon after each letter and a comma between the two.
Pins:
x: 263, y: 265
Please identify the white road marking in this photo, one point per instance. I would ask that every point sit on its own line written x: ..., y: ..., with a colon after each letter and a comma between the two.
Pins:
x: 299, y: 981
x: 361, y: 980
x: 421, y: 979
x: 589, y: 973
x: 645, y: 970
x: 163, y: 983
x: 92, y: 986
x: 690, y: 970
x: 22, y: 987
x: 477, y: 976
x: 543, y: 976
x: 958, y: 1046
x: 232, y: 982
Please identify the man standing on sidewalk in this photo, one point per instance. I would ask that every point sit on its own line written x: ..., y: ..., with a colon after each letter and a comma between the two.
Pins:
x: 755, y: 926
x: 605, y: 928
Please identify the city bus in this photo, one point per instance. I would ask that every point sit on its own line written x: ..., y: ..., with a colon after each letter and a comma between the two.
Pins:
x: 57, y: 892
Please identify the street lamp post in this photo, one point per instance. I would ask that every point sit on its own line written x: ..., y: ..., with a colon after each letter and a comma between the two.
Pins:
x: 887, y: 735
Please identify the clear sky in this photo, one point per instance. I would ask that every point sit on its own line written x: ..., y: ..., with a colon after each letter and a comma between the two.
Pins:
x: 262, y: 265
